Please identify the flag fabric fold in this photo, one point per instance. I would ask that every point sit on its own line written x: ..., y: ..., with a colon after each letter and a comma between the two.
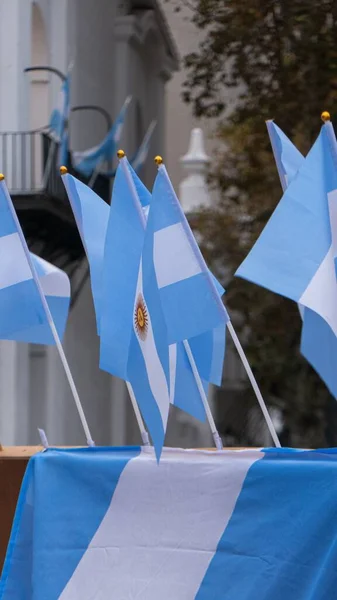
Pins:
x: 288, y: 159
x: 98, y: 522
x: 127, y: 223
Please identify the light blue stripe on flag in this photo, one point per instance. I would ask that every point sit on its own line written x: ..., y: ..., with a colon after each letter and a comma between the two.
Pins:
x: 91, y: 214
x: 281, y: 539
x: 287, y: 157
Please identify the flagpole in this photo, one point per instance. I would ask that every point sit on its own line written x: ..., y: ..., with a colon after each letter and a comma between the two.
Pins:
x: 140, y: 422
x: 222, y: 308
x: 276, y: 156
x: 48, y: 315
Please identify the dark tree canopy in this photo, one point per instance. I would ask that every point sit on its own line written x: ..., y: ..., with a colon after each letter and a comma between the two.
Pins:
x: 275, y: 59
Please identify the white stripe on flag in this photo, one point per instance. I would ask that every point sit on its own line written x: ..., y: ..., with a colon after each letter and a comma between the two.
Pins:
x: 174, y: 258
x: 154, y: 368
x: 321, y: 293
x: 54, y: 282
x: 173, y: 370
x: 14, y: 267
x: 163, y: 526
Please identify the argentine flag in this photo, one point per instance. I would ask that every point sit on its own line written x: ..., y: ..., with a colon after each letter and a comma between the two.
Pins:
x: 318, y: 343
x: 295, y: 255
x: 127, y: 223
x: 103, y: 524
x: 90, y: 160
x: 148, y: 360
x: 288, y: 159
x: 22, y: 316
x: 91, y: 215
x: 189, y: 296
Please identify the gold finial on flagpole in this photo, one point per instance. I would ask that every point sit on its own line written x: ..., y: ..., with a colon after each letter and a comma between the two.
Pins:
x: 2, y: 177
x: 120, y: 154
x: 63, y: 170
x: 158, y: 160
x: 325, y: 116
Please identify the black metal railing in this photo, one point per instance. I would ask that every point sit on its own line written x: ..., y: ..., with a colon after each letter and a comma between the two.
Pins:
x: 29, y: 161
x: 21, y: 160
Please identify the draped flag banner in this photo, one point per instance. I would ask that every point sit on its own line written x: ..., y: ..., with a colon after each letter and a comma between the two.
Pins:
x: 22, y: 315
x: 112, y: 523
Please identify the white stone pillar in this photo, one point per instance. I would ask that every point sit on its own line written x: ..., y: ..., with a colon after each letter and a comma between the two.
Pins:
x: 193, y: 190
x: 14, y: 393
x: 15, y: 52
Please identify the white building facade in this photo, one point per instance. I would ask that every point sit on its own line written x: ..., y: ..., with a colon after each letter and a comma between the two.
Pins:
x: 116, y: 48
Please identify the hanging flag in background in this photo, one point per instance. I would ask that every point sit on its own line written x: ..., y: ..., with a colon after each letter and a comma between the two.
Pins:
x: 295, y: 254
x: 91, y: 215
x: 91, y: 160
x: 59, y: 122
x: 22, y: 316
x: 121, y: 257
x: 190, y: 299
x: 112, y: 523
x: 148, y: 359
x: 288, y: 159
x: 139, y: 159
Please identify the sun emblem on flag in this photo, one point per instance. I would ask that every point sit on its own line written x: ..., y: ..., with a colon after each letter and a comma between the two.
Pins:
x: 141, y: 317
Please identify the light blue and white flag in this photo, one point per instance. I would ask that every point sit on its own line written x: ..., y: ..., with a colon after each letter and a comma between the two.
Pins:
x: 121, y: 257
x: 91, y: 215
x: 148, y: 369
x: 318, y: 341
x: 112, y: 523
x: 22, y: 316
x: 59, y: 122
x: 288, y: 159
x: 91, y: 160
x: 296, y: 253
x: 189, y: 295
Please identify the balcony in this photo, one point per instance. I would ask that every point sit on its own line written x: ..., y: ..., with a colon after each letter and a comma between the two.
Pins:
x: 29, y: 162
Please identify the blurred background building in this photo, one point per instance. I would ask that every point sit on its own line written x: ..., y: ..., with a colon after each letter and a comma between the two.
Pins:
x: 116, y: 48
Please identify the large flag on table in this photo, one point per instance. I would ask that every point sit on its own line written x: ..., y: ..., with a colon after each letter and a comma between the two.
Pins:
x: 91, y: 214
x: 127, y: 222
x: 90, y: 160
x: 22, y: 315
x: 295, y: 254
x: 112, y: 523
